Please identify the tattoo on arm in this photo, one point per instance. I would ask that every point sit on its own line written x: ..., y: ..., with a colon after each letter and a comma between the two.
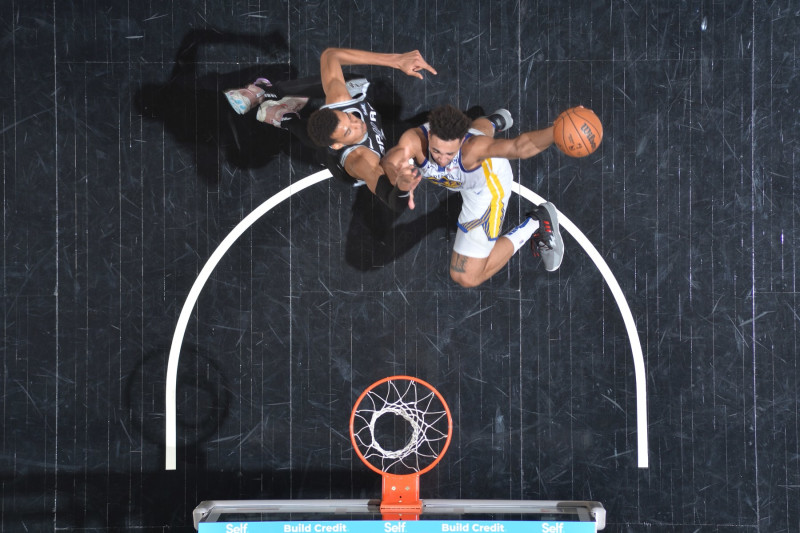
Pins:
x: 458, y: 262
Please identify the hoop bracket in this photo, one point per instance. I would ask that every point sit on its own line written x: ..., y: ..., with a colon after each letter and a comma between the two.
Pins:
x: 426, y: 417
x: 401, y: 497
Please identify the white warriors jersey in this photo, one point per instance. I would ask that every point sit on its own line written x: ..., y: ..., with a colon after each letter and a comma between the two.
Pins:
x: 453, y: 176
x: 485, y: 190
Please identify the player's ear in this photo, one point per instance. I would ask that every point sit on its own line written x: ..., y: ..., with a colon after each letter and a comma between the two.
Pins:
x: 337, y: 146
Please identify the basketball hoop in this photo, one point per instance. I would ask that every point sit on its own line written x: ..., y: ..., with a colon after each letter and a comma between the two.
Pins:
x: 400, y: 428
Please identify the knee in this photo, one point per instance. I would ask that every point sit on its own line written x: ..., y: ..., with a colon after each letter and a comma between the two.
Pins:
x: 484, y: 125
x: 465, y: 280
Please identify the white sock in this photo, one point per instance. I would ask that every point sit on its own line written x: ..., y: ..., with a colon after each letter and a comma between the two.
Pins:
x: 522, y: 233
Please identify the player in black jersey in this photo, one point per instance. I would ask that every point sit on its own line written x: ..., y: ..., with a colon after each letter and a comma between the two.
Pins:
x: 347, y: 125
x: 352, y: 129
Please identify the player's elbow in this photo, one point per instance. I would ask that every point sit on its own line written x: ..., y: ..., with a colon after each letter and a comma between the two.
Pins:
x: 328, y: 55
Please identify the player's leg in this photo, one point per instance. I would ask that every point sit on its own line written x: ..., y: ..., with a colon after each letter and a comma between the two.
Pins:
x: 478, y: 253
x: 285, y: 99
x: 540, y: 227
x: 472, y: 271
x: 297, y: 94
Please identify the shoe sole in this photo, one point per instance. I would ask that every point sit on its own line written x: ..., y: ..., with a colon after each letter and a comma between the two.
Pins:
x: 239, y: 104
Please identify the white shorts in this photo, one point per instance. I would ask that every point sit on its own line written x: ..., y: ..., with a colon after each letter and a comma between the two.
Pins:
x: 484, y: 209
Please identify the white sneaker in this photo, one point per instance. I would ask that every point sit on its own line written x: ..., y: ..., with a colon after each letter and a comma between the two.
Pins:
x: 245, y: 99
x: 273, y: 111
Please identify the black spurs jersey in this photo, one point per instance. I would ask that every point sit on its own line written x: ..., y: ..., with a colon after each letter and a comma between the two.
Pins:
x: 374, y: 139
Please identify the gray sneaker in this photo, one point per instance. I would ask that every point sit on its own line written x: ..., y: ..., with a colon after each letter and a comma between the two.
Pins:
x: 501, y: 119
x: 546, y: 242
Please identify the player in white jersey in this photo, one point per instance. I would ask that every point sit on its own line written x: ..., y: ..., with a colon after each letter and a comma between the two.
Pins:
x: 448, y: 152
x: 347, y: 125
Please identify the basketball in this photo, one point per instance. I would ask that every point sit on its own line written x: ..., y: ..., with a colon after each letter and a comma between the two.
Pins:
x: 577, y: 131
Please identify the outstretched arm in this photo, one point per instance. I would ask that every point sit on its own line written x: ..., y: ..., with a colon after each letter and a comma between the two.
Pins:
x: 525, y: 146
x: 395, y: 162
x: 332, y: 60
x: 365, y: 165
x: 400, y: 163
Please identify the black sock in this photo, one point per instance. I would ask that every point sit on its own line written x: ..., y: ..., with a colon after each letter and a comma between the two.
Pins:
x: 498, y: 121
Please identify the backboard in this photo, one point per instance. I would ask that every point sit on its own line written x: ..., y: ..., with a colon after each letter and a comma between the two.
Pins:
x: 362, y: 516
x: 400, y: 428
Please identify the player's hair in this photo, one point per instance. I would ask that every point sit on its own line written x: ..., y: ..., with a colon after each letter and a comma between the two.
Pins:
x: 448, y: 122
x: 321, y: 125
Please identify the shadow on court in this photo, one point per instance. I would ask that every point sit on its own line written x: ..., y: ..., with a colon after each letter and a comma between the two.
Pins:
x: 196, y: 114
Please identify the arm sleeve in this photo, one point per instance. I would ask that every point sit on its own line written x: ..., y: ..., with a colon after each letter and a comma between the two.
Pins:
x: 391, y: 195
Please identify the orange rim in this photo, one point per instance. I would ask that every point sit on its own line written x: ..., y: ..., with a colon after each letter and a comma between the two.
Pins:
x: 399, y: 378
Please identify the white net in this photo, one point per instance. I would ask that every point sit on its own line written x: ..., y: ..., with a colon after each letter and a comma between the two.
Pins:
x: 400, y: 426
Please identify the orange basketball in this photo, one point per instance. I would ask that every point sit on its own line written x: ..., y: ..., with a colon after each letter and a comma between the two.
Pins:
x: 577, y: 131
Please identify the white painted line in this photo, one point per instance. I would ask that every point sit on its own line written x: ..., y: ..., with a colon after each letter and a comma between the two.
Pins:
x: 205, y: 273
x: 627, y: 317
x: 194, y: 293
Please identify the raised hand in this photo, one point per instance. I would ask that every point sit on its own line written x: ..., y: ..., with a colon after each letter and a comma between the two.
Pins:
x: 412, y: 62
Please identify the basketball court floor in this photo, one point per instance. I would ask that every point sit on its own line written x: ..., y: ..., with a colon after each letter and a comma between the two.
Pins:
x: 124, y: 171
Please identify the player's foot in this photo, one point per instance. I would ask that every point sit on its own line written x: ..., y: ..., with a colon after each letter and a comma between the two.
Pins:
x: 274, y: 111
x: 501, y: 119
x: 243, y: 100
x: 546, y: 242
